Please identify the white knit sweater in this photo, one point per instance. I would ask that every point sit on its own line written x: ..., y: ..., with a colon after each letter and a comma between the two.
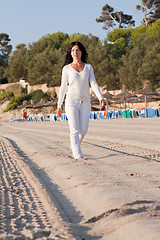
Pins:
x: 76, y: 84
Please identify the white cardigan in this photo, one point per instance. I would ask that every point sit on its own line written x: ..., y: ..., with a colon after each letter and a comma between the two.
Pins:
x: 76, y: 84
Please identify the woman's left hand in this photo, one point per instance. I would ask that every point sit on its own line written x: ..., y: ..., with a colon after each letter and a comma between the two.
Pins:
x: 102, y: 105
x: 59, y: 112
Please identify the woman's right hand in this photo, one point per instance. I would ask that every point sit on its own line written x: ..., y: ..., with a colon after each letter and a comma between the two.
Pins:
x: 59, y: 112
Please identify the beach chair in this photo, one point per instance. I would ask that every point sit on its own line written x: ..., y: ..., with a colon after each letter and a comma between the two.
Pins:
x: 92, y: 115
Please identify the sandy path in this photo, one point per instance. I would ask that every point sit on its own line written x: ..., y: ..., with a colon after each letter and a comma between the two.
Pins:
x: 114, y: 194
x: 24, y: 205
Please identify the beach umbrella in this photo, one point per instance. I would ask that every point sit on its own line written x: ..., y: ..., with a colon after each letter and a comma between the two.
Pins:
x: 106, y: 95
x: 104, y: 89
x: 157, y: 97
x: 148, y: 98
x: 118, y: 101
x: 146, y: 92
x: 94, y: 99
x: 133, y: 100
x: 129, y: 100
x: 158, y: 90
x: 94, y: 102
x: 124, y: 96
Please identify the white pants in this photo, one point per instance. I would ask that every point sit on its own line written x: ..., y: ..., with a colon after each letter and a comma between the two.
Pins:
x: 78, y: 114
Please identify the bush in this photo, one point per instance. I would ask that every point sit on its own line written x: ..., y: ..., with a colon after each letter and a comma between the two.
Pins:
x: 15, y: 101
x: 6, y: 96
x: 17, y: 89
x: 11, y: 107
x: 36, y: 96
x: 46, y: 96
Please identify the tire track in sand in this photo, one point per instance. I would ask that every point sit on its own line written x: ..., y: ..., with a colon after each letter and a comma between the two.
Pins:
x: 25, y: 211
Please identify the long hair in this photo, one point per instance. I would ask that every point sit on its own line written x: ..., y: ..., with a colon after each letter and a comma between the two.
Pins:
x: 69, y: 59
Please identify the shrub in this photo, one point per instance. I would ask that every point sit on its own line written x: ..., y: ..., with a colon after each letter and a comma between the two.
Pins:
x: 15, y: 101
x: 6, y: 96
x: 36, y: 96
x: 46, y: 96
x: 17, y: 89
x: 11, y: 106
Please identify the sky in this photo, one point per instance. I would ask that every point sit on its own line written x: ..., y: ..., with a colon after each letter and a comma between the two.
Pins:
x: 26, y: 21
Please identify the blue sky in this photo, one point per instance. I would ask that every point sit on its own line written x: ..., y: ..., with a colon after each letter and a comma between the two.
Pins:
x: 27, y: 21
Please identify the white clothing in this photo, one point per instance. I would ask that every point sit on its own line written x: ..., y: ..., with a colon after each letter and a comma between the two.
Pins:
x: 77, y: 84
x: 78, y: 114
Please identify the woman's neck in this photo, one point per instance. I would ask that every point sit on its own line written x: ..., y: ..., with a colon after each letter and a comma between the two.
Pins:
x: 77, y: 62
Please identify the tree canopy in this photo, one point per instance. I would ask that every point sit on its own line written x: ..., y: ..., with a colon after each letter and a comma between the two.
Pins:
x: 141, y: 62
x: 112, y: 18
x: 151, y: 10
x: 5, y: 49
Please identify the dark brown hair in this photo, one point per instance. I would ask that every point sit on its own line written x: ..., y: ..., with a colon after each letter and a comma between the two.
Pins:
x: 69, y: 59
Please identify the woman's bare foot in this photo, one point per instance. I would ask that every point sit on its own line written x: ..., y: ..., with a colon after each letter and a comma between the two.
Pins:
x: 80, y: 158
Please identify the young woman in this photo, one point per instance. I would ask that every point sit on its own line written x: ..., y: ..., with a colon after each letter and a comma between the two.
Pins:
x: 76, y: 77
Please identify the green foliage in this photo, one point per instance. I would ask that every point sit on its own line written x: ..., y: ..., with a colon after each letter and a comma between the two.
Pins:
x: 120, y: 33
x: 11, y: 107
x: 16, y: 89
x: 5, y: 96
x: 128, y: 71
x: 138, y: 34
x: 44, y: 59
x: 2, y: 70
x: 16, y: 101
x: 142, y: 32
x: 127, y: 56
x: 150, y: 9
x: 58, y: 39
x: 17, y: 64
x: 5, y: 49
x: 154, y: 28
x: 37, y: 95
x: 142, y: 62
x: 122, y: 41
x: 112, y: 18
x: 19, y: 99
x: 150, y: 69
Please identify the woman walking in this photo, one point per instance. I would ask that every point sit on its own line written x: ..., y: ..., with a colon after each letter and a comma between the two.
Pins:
x: 76, y: 77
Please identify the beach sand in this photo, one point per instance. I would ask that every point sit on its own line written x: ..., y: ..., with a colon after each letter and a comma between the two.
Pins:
x: 114, y: 194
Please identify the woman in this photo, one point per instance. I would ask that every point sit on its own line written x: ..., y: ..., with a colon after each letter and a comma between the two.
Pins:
x: 76, y: 77
x: 24, y: 115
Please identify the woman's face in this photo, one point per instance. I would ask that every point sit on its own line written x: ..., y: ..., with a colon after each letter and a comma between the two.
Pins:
x: 76, y: 53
